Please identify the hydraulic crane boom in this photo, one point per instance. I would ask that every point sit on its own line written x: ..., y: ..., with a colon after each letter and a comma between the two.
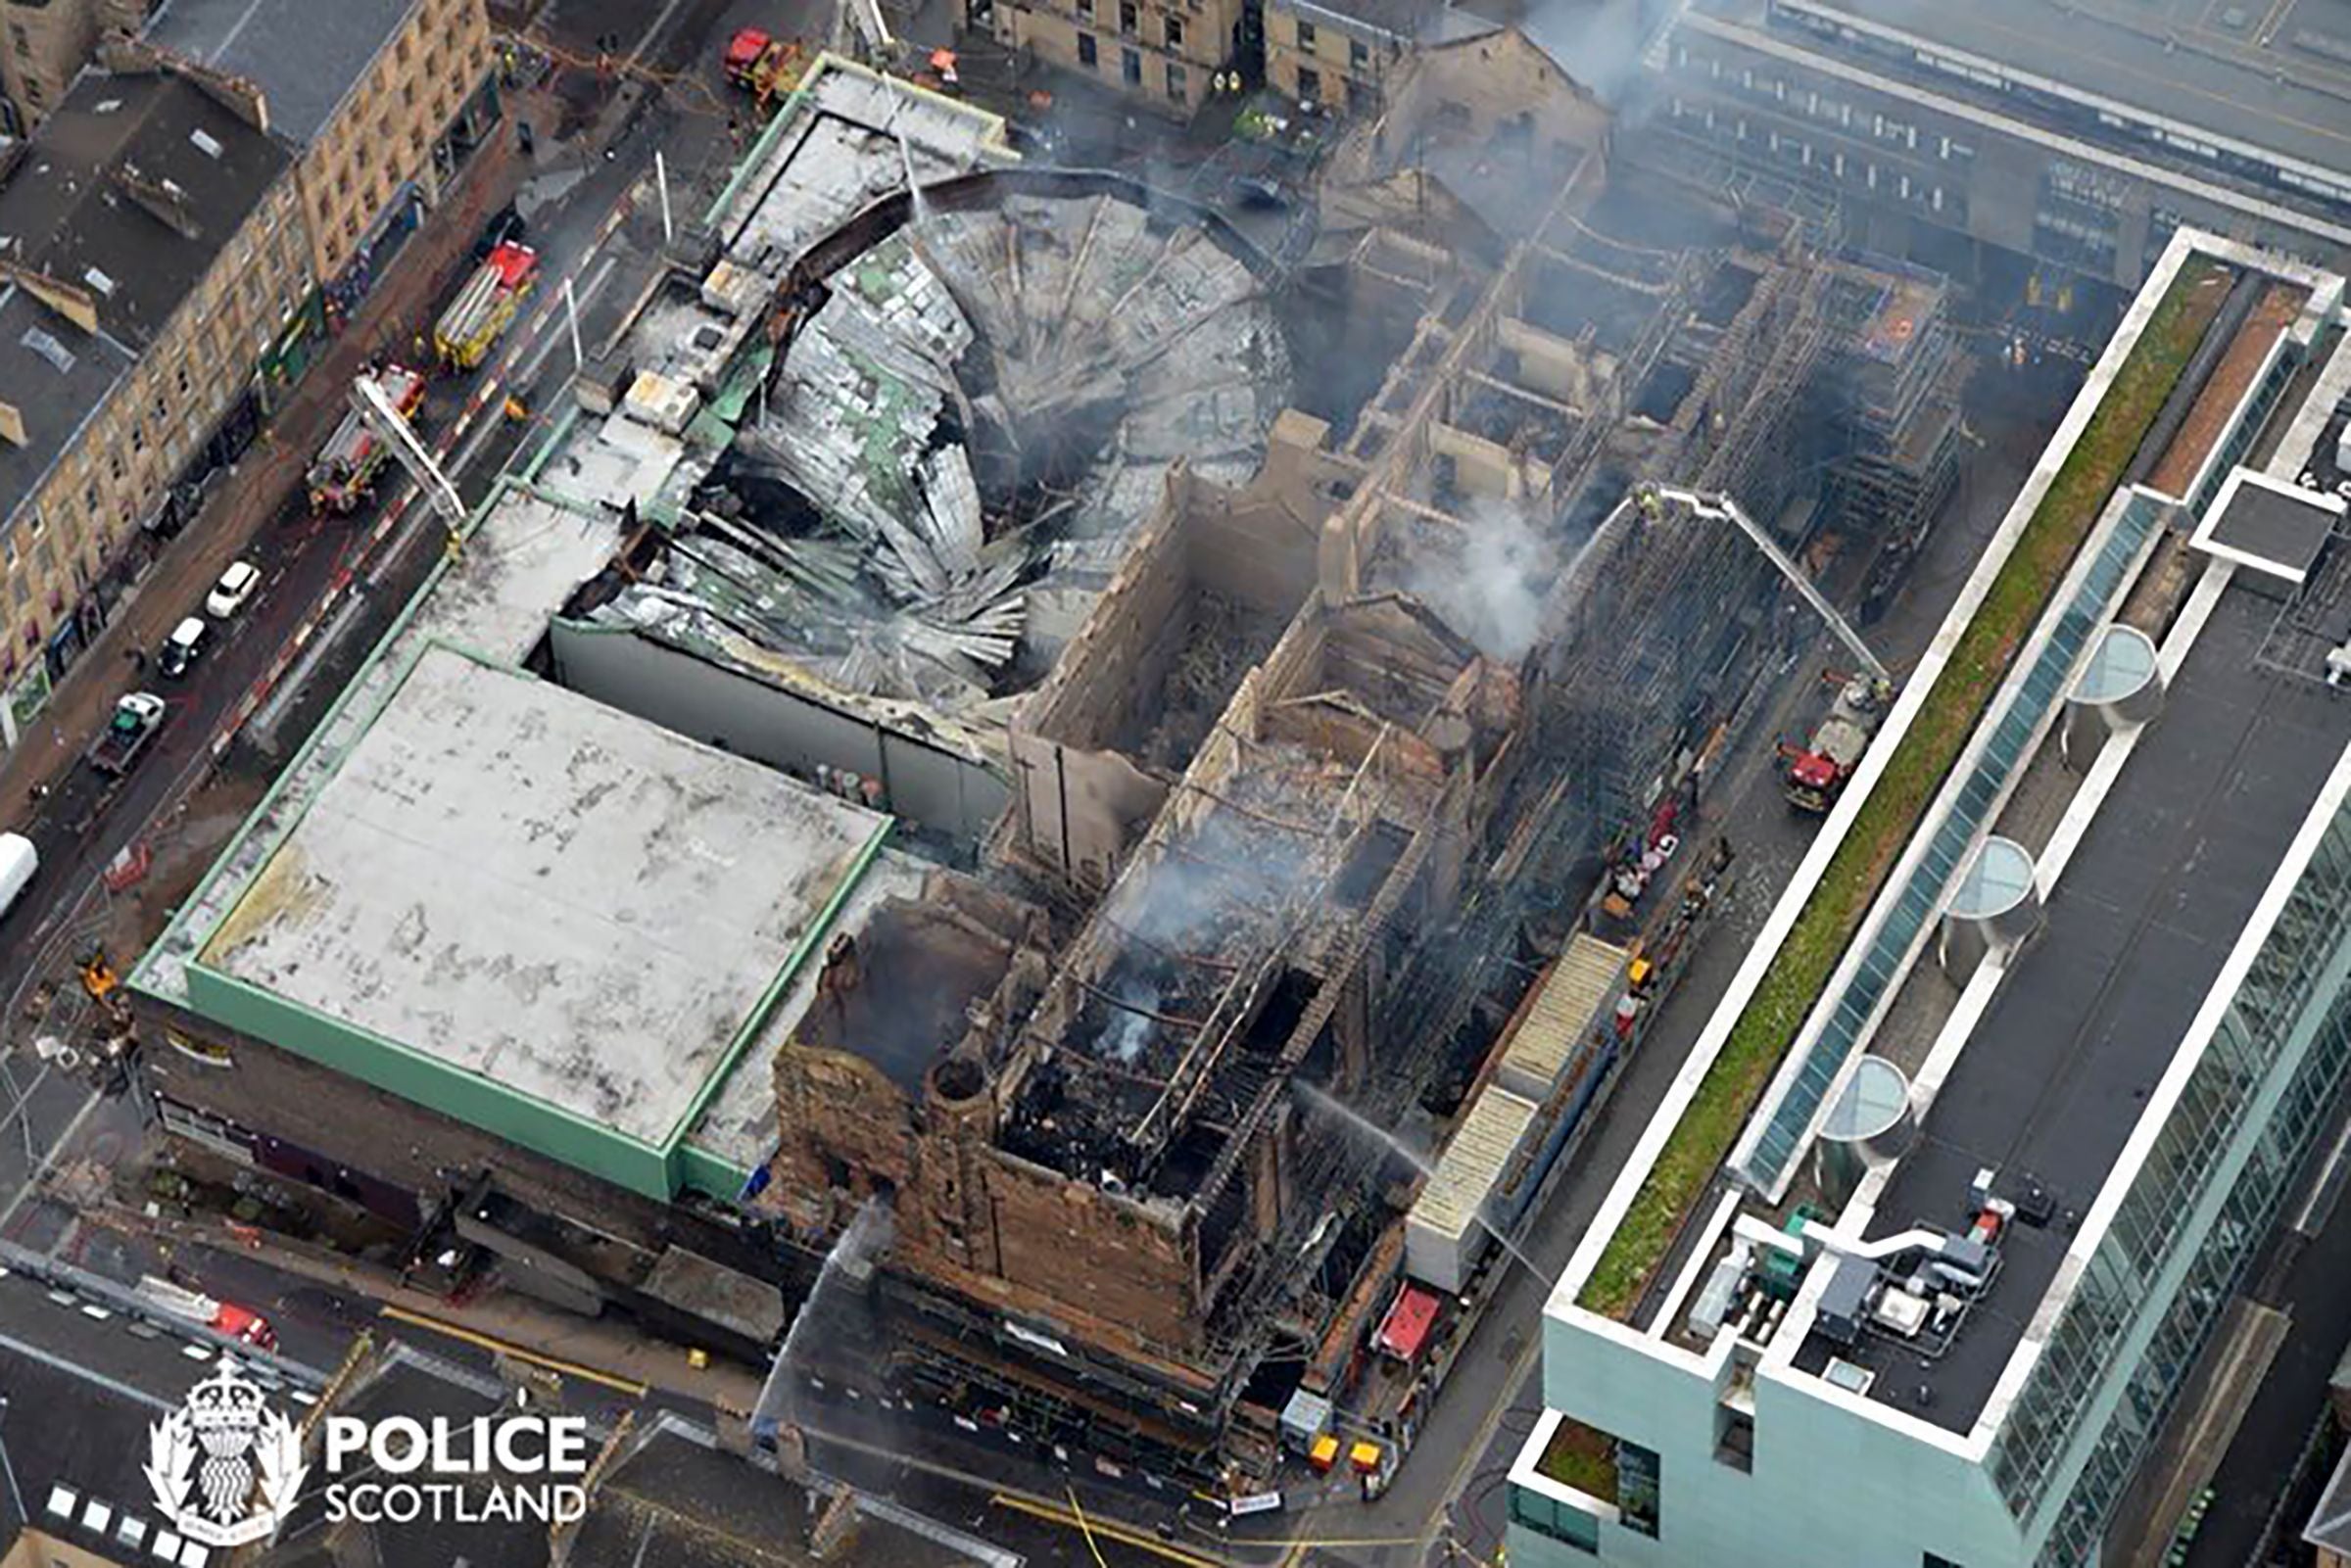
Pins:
x: 383, y: 418
x: 1723, y: 507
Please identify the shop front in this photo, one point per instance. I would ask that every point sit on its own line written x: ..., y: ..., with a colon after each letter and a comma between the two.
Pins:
x: 289, y: 359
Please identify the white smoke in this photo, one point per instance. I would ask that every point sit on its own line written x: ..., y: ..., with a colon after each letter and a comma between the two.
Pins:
x: 1491, y: 591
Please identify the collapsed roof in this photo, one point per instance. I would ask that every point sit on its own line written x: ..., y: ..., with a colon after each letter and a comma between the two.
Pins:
x: 972, y: 418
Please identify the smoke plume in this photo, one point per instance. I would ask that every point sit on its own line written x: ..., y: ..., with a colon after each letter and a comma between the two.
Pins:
x: 1491, y: 591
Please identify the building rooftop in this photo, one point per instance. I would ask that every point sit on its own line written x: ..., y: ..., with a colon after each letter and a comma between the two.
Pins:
x: 129, y: 190
x: 2284, y: 94
x: 739, y: 1128
x: 862, y: 136
x: 863, y: 420
x: 522, y: 885
x: 674, y: 1498
x: 2330, y: 1526
x: 2276, y: 529
x: 303, y: 70
x: 2056, y: 1075
x: 55, y: 375
x: 524, y: 556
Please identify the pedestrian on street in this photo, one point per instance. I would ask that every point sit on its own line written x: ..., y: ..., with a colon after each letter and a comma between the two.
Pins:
x: 138, y: 661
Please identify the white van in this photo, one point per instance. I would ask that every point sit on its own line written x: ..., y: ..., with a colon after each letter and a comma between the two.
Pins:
x: 18, y: 862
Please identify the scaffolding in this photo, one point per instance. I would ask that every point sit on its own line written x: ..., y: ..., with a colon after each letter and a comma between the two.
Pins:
x: 1665, y: 612
x: 1897, y: 373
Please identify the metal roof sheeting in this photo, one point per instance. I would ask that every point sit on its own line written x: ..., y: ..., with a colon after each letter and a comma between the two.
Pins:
x: 1443, y: 1235
x: 1559, y: 1016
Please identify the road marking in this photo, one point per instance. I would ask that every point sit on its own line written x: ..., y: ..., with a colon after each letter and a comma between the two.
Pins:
x: 1117, y: 1533
x: 1087, y: 1530
x: 401, y: 1315
x: 586, y: 295
x: 42, y: 1171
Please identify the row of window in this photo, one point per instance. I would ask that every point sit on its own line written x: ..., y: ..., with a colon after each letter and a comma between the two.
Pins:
x: 1130, y: 25
x: 1860, y: 120
x: 2143, y: 128
x: 382, y: 138
x: 1889, y: 182
x: 2293, y: 998
x: 1131, y: 68
x: 250, y: 294
x: 1359, y: 53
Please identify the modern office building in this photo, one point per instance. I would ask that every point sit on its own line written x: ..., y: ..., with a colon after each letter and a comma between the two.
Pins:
x: 2077, y: 135
x: 2036, y: 1092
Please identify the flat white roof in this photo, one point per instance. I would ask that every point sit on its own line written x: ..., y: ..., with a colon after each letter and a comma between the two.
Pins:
x: 525, y: 884
x: 739, y: 1125
x: 1481, y: 1150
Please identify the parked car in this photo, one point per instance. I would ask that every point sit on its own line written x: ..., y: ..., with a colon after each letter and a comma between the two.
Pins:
x: 183, y: 647
x: 236, y: 586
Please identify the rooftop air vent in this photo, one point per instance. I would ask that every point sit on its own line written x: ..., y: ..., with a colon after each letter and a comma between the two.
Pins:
x: 1869, y: 1124
x: 48, y: 348
x: 1996, y: 908
x: 204, y: 143
x: 99, y: 281
x: 2121, y: 686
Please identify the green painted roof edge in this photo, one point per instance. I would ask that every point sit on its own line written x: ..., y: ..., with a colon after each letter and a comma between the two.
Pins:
x: 756, y: 1019
x: 350, y: 688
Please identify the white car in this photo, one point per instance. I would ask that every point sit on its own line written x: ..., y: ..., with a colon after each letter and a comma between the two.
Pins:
x: 236, y: 586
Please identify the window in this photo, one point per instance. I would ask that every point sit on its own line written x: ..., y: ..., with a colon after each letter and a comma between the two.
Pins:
x: 1310, y: 84
x: 1127, y: 23
x: 1131, y: 68
x: 1305, y: 36
x: 1174, y: 33
x: 1177, y: 89
x: 1088, y: 55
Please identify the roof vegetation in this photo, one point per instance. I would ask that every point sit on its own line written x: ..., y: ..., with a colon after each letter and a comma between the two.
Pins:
x: 1581, y: 1457
x: 1888, y: 818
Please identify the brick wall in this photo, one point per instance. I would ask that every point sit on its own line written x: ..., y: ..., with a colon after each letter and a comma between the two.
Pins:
x: 1026, y: 1240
